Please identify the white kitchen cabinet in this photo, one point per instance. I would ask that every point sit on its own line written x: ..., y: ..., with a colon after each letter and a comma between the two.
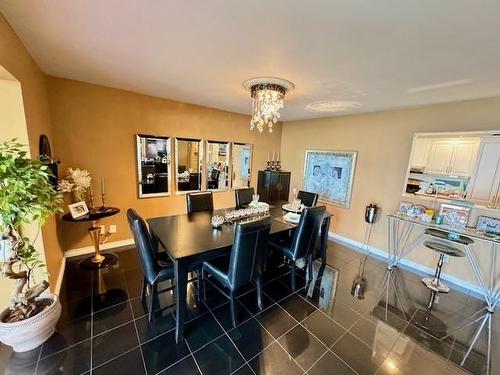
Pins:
x: 440, y: 157
x: 452, y: 157
x: 464, y: 157
x: 420, y: 153
x: 485, y: 183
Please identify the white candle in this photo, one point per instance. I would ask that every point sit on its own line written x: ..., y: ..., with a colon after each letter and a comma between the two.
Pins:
x: 278, y: 158
x: 273, y: 155
x: 268, y: 156
x: 103, y: 191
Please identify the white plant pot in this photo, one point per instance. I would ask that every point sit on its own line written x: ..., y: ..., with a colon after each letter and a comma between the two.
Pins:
x: 30, y: 333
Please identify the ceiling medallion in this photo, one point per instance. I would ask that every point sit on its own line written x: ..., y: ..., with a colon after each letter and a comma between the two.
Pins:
x: 267, y: 94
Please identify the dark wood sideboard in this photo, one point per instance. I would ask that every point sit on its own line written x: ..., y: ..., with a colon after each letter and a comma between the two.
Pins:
x: 273, y: 185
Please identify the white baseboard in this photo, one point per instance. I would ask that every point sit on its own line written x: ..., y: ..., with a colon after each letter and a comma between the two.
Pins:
x: 60, y: 276
x: 105, y: 246
x: 458, y: 283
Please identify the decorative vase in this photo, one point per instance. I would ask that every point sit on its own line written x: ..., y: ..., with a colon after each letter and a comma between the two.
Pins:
x: 79, y: 196
x: 30, y: 333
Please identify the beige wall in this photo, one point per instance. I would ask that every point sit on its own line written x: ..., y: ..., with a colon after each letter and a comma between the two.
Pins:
x: 95, y: 129
x: 383, y: 141
x: 13, y: 125
x: 18, y: 62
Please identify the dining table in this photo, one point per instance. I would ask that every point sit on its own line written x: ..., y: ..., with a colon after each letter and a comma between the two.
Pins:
x: 190, y: 239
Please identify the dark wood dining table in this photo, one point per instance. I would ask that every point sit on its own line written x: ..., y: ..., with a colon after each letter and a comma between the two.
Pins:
x: 189, y: 239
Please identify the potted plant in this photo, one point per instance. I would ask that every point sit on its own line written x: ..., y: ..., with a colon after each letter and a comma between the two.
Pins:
x: 26, y: 196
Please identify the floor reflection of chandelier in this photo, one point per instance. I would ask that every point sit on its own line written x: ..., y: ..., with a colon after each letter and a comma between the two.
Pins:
x: 267, y: 95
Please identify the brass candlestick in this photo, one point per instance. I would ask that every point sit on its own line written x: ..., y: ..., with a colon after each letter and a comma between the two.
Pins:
x: 268, y: 165
x: 103, y: 205
x: 278, y: 166
x: 91, y: 200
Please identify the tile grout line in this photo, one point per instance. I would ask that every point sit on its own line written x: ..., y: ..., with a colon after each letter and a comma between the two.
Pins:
x: 38, y: 359
x: 328, y: 349
x: 91, y: 324
x: 194, y: 358
x: 116, y: 357
x: 138, y: 338
x: 229, y: 337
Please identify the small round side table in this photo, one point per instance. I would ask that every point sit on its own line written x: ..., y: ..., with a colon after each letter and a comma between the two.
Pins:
x: 97, y: 260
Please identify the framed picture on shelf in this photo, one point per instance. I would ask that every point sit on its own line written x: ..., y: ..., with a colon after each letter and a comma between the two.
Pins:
x: 330, y: 174
x: 488, y: 225
x: 454, y: 216
x: 78, y: 209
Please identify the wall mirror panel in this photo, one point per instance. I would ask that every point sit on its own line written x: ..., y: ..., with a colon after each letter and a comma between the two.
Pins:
x: 153, y: 165
x: 217, y: 165
x: 188, y: 164
x: 455, y: 165
x: 241, y: 165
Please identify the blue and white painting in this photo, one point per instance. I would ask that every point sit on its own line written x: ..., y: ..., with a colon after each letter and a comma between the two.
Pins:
x: 330, y: 174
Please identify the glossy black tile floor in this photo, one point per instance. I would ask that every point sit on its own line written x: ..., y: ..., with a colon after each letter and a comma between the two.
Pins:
x: 104, y: 330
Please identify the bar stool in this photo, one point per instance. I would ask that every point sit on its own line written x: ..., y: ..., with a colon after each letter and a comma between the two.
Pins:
x: 434, y: 283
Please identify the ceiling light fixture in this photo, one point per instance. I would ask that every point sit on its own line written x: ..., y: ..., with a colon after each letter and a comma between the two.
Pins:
x: 267, y: 94
x: 331, y: 105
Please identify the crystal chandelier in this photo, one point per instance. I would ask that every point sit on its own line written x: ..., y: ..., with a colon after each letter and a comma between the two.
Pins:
x: 267, y: 95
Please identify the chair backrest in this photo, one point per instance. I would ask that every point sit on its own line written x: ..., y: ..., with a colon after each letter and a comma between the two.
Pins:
x: 215, y: 174
x: 143, y: 244
x: 202, y: 201
x: 248, y: 252
x: 307, y: 231
x: 243, y: 196
x: 307, y: 198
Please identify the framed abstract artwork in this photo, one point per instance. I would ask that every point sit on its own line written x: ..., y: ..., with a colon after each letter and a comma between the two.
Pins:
x: 330, y: 174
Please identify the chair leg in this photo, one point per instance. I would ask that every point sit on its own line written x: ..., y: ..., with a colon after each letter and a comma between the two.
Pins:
x: 204, y: 285
x: 258, y: 284
x: 309, y: 276
x: 198, y: 286
x: 154, y: 301
x: 233, y: 308
x: 143, y: 290
x: 292, y: 275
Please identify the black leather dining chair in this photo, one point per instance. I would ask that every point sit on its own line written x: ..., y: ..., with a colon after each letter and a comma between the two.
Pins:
x: 245, y: 264
x: 243, y: 196
x: 213, y: 182
x: 155, y: 270
x: 303, y: 242
x: 307, y: 198
x: 200, y: 201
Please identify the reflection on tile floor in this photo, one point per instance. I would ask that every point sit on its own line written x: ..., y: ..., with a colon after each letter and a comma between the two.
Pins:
x: 104, y: 329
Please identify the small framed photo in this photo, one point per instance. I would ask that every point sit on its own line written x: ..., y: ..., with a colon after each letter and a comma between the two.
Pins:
x: 405, y: 207
x: 488, y: 225
x: 454, y: 216
x: 78, y: 209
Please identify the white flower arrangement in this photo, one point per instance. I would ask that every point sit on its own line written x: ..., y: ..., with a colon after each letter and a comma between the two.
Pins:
x: 76, y: 180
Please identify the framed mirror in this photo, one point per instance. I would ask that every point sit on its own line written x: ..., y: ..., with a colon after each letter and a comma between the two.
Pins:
x: 188, y: 164
x: 241, y: 165
x: 153, y: 165
x: 217, y: 165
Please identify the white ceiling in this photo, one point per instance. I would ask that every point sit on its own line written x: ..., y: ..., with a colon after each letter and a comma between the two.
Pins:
x: 382, y: 54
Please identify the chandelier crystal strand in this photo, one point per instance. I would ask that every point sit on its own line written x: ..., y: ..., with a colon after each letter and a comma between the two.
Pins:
x: 267, y: 101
